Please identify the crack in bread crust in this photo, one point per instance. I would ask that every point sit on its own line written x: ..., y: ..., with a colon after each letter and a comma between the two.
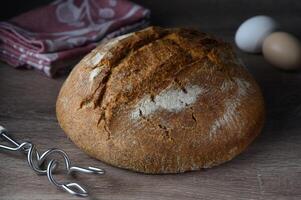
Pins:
x: 113, y: 61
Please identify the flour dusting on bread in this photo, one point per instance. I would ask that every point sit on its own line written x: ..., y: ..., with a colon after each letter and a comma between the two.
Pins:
x: 94, y: 73
x: 114, y: 41
x: 172, y: 100
x: 230, y: 114
x: 97, y: 58
x: 105, y: 52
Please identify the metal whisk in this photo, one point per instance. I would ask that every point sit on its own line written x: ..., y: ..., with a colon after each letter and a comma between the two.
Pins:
x: 37, y: 161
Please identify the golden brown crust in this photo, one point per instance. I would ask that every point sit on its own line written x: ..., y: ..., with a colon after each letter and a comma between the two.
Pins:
x: 161, y: 101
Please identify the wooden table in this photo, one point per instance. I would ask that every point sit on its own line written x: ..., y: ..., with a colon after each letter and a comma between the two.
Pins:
x: 269, y: 169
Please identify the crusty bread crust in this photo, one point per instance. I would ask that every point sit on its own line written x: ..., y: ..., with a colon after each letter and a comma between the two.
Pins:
x: 161, y: 101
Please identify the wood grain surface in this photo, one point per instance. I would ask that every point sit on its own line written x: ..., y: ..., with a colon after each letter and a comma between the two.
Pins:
x: 269, y: 169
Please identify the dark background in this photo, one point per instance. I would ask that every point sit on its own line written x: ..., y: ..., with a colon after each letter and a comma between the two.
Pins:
x: 219, y: 14
x: 10, y: 8
x: 269, y: 169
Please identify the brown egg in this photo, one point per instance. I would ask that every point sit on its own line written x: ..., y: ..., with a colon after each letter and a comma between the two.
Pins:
x: 282, y: 50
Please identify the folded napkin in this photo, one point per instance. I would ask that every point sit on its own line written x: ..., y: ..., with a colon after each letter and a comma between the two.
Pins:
x: 53, y: 37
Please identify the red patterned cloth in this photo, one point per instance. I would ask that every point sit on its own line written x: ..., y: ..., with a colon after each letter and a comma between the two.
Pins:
x: 52, y: 37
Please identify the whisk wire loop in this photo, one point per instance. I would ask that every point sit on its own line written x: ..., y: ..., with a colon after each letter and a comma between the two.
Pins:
x: 37, y: 161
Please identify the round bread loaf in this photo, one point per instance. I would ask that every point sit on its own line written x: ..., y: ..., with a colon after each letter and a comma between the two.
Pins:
x: 161, y: 101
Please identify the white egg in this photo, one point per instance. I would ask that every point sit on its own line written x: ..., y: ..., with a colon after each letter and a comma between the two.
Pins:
x: 251, y: 34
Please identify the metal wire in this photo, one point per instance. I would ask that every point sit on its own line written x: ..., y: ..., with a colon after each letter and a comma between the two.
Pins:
x: 37, y: 161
